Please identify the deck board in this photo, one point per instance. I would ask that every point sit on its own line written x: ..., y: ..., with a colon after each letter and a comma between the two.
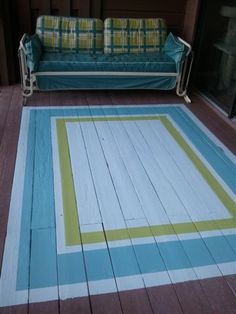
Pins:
x: 198, y: 296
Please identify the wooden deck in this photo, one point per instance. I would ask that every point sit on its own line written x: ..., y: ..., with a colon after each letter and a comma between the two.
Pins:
x: 215, y: 295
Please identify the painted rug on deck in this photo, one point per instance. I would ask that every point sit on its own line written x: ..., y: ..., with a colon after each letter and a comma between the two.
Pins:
x: 115, y: 198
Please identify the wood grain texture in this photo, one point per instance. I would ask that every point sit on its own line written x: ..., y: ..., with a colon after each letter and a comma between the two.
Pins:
x: 151, y: 5
x: 8, y: 147
x: 219, y: 287
x: 75, y: 306
x: 203, y: 296
x: 106, y: 304
x: 190, y: 20
x: 135, y: 301
x: 44, y: 308
x: 5, y: 101
x: 18, y: 309
x: 4, y: 75
x: 64, y: 7
x: 231, y: 280
x: 96, y: 8
x: 84, y: 8
x: 24, y: 16
x: 164, y: 300
x: 7, y: 158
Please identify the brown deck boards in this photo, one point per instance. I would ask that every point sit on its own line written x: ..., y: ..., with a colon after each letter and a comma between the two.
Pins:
x: 164, y: 300
x: 8, y: 148
x: 74, y: 306
x: 44, y: 308
x: 106, y: 303
x: 215, y: 295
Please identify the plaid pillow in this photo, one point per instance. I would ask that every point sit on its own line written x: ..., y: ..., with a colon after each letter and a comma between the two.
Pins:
x: 68, y: 34
x: 134, y: 35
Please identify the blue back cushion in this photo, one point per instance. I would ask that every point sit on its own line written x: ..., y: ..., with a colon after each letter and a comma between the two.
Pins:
x: 174, y: 49
x: 33, y: 49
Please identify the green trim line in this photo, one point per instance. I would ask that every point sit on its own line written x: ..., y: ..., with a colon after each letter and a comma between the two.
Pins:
x: 72, y: 229
x: 150, y: 231
x: 71, y: 223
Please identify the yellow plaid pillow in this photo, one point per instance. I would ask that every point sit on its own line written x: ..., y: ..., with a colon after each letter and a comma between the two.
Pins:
x: 134, y: 35
x: 69, y: 34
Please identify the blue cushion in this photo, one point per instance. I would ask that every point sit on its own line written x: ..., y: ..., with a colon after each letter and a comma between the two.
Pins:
x: 33, y: 49
x: 144, y: 62
x: 174, y: 49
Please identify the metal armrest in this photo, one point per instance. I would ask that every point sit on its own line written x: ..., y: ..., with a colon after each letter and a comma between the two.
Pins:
x: 26, y: 76
x: 185, y: 71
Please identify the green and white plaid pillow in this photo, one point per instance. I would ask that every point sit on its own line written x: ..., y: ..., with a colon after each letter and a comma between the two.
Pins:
x: 134, y: 35
x: 69, y: 34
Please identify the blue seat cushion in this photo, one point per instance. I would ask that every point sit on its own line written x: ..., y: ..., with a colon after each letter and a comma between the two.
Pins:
x: 144, y: 62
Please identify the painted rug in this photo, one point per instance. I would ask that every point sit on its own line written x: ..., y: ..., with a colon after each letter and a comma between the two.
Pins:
x: 108, y: 199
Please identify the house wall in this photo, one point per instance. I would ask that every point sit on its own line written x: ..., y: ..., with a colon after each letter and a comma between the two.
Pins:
x: 180, y: 16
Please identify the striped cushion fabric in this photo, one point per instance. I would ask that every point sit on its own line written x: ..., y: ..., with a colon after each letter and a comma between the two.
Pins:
x: 134, y: 35
x: 68, y: 34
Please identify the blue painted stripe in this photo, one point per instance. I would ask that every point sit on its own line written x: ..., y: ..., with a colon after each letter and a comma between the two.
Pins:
x: 43, y: 259
x: 199, y: 254
x: 232, y: 242
x: 149, y: 258
x: 220, y: 249
x: 124, y: 261
x: 71, y: 268
x: 215, y: 156
x: 43, y: 213
x: 174, y: 255
x: 98, y: 266
x: 24, y: 249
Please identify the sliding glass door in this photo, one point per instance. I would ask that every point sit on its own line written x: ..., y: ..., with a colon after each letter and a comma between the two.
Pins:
x: 215, y: 46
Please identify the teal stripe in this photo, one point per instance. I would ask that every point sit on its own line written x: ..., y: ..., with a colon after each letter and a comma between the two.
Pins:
x: 144, y: 37
x: 128, y: 36
x: 60, y: 34
x: 77, y: 36
x: 98, y: 264
x: 132, y: 46
x: 144, y: 28
x: 43, y: 259
x: 94, y: 37
x: 71, y: 268
x: 111, y: 36
x: 171, y: 257
x: 160, y: 33
x: 24, y: 249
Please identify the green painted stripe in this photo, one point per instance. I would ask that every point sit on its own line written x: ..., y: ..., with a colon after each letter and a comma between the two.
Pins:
x: 93, y: 237
x: 157, y: 230
x: 71, y: 223
x: 65, y: 120
x: 140, y: 232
